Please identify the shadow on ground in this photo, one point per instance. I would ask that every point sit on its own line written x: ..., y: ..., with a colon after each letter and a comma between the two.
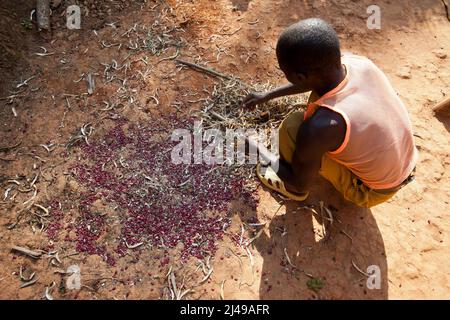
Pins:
x: 354, y: 236
x: 445, y: 121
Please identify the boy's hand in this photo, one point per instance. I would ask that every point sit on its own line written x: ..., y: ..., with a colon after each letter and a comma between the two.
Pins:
x: 255, y: 98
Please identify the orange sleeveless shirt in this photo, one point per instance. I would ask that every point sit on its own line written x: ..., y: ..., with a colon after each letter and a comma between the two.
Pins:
x: 378, y: 146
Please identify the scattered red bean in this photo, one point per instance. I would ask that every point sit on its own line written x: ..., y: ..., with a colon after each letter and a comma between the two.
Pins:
x: 190, y: 204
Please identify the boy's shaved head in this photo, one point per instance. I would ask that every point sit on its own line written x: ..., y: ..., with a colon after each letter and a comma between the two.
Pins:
x: 309, y: 45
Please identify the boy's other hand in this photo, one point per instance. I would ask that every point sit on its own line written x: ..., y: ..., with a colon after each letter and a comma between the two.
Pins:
x: 254, y: 98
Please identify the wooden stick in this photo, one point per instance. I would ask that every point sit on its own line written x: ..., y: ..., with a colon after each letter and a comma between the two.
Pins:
x: 443, y: 107
x: 28, y: 252
x: 203, y: 69
x: 43, y: 14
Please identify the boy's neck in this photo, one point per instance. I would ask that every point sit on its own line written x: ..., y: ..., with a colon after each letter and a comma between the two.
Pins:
x: 333, y: 80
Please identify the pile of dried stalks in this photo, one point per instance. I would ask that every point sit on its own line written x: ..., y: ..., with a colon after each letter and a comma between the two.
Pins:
x: 224, y: 107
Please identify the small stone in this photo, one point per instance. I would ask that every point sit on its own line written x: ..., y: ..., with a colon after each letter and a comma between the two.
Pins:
x: 441, y: 54
x: 404, y: 72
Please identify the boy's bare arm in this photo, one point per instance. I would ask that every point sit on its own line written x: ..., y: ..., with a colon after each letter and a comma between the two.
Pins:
x: 260, y: 97
x: 324, y: 132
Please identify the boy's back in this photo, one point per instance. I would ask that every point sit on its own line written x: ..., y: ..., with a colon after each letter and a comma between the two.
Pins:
x: 378, y: 145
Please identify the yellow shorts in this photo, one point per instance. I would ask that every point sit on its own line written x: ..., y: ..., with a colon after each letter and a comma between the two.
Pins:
x: 340, y: 177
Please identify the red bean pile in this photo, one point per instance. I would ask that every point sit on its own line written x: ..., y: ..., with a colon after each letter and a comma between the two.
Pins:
x: 158, y: 203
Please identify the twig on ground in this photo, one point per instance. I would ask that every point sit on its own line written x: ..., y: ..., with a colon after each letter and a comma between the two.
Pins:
x: 31, y: 253
x: 203, y: 69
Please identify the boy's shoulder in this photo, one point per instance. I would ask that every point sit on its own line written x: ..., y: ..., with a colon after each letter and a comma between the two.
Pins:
x: 326, y: 127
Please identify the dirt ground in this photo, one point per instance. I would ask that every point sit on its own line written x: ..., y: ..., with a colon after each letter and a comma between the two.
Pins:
x: 407, y: 237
